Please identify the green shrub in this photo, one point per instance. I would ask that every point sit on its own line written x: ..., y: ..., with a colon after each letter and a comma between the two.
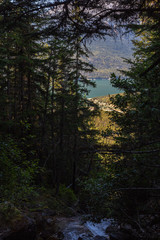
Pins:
x: 94, y: 196
x: 8, y: 212
x: 16, y: 172
x: 67, y: 195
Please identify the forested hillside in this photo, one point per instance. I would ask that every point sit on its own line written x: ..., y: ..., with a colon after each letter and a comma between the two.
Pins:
x: 60, y: 153
x: 108, y: 55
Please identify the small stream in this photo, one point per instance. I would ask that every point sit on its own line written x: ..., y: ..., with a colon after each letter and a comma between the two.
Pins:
x: 74, y: 228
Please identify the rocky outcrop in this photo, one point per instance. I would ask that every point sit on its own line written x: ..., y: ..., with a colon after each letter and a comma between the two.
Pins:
x: 26, y: 225
x: 117, y: 232
x: 23, y: 228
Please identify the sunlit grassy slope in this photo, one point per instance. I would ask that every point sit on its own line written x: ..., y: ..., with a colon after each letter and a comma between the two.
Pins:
x: 103, y: 122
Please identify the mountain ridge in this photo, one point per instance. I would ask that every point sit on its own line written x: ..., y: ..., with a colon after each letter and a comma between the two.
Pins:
x: 107, y: 56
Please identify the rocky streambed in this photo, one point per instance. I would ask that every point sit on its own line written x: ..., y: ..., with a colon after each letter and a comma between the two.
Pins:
x: 46, y: 225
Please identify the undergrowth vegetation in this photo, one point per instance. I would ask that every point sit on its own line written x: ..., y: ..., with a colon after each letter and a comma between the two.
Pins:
x: 17, y: 173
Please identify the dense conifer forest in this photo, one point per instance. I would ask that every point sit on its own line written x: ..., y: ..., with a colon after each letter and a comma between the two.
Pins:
x: 51, y: 151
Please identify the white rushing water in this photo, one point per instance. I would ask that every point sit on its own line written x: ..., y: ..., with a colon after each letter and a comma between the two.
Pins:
x: 98, y: 229
x: 74, y: 229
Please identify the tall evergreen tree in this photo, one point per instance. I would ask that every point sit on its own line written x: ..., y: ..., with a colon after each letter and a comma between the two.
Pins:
x: 136, y: 174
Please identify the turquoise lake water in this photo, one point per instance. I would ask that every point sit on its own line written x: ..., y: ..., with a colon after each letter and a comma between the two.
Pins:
x: 103, y: 88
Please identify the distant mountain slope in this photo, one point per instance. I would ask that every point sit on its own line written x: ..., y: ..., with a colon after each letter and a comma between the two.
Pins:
x: 108, y: 54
